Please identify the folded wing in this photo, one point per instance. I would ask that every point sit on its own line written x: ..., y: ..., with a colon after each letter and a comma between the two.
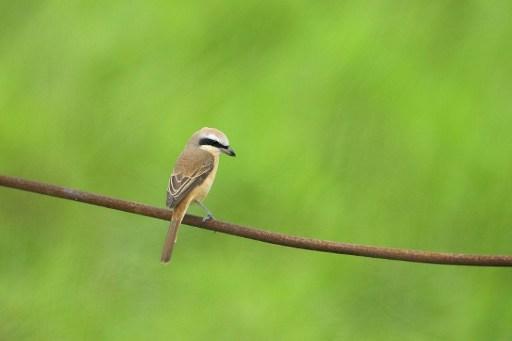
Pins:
x: 188, y: 173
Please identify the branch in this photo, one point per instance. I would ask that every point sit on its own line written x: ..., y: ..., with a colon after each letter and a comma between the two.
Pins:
x: 261, y: 235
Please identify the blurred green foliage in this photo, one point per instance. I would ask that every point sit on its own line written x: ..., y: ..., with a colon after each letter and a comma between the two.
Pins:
x: 385, y: 123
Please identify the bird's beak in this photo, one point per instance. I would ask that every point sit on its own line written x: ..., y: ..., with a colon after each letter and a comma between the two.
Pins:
x: 229, y: 151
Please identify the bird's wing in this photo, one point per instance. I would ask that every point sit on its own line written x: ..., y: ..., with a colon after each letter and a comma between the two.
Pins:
x: 192, y: 168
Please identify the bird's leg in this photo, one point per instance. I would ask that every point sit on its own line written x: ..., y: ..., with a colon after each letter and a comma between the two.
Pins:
x: 209, y: 214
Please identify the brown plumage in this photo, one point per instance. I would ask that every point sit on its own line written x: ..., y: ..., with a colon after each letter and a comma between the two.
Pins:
x: 192, y: 177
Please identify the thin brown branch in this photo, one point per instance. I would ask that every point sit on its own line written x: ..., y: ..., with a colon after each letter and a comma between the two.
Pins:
x: 256, y: 234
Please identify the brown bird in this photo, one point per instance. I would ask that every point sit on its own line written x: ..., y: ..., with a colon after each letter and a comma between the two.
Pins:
x: 192, y: 178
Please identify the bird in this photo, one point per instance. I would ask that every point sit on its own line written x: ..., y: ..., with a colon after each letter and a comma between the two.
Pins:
x: 192, y: 177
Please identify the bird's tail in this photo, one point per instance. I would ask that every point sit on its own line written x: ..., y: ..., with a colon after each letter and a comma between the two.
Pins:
x: 170, y: 240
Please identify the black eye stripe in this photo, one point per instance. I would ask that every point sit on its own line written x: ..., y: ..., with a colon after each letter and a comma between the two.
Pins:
x: 210, y: 142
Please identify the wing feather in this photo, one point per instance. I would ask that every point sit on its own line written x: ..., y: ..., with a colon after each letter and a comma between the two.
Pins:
x: 181, y: 183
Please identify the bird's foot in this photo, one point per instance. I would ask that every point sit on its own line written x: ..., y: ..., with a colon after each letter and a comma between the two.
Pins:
x: 209, y: 216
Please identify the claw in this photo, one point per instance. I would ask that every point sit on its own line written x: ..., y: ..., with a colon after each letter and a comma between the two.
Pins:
x: 208, y: 217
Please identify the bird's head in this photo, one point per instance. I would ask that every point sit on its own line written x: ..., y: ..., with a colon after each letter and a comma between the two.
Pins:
x: 213, y: 141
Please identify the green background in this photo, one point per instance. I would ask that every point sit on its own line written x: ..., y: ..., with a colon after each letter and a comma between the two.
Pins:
x: 385, y: 123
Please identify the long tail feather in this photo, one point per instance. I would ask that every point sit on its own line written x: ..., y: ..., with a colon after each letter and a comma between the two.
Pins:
x: 172, y: 233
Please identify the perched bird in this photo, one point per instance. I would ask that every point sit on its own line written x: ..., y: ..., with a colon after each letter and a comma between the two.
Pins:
x: 192, y: 177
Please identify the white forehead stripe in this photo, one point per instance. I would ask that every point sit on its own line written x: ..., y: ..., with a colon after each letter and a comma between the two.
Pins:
x: 217, y: 138
x: 212, y: 137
